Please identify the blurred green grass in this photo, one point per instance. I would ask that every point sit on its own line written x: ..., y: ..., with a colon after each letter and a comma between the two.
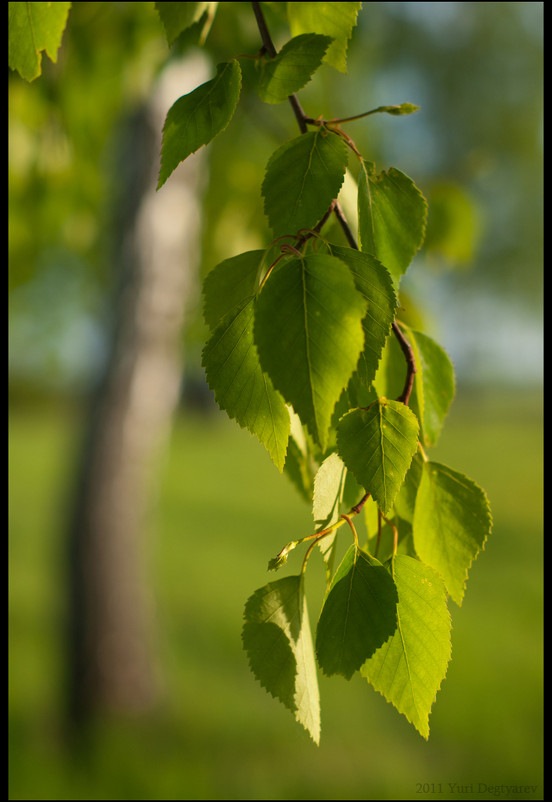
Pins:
x: 221, y: 512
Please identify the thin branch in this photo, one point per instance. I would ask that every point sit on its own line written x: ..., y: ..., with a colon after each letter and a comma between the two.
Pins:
x: 302, y: 120
x: 406, y: 348
x: 268, y: 44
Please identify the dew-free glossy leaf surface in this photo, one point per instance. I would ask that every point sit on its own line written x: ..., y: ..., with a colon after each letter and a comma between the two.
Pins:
x: 392, y: 216
x: 308, y: 331
x: 302, y: 178
x: 33, y: 28
x: 409, y: 667
x: 276, y: 636
x: 358, y: 615
x: 196, y: 118
x: 333, y: 19
x: 292, y: 68
x: 240, y: 385
x: 377, y: 445
x: 452, y: 520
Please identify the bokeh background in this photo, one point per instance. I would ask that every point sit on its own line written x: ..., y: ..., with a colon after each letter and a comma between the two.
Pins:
x: 214, y: 508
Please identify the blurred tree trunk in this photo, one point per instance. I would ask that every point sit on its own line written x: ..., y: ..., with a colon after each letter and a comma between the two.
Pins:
x: 111, y: 663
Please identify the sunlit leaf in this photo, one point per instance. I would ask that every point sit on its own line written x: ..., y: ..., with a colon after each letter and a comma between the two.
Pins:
x: 452, y: 520
x: 32, y: 29
x: 302, y: 178
x: 408, y: 669
x: 309, y: 335
x: 377, y: 445
x: 332, y: 19
x: 392, y: 216
x: 276, y: 636
x: 292, y: 68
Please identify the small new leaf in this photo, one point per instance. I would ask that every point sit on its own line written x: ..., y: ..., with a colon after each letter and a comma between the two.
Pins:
x: 398, y: 111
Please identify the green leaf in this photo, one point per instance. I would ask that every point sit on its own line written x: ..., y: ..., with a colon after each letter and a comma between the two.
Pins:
x: 177, y: 17
x: 300, y: 466
x: 229, y: 284
x: 329, y: 486
x: 32, y: 28
x: 434, y: 386
x: 328, y: 491
x: 332, y: 19
x: 241, y: 387
x: 276, y: 636
x: 377, y: 445
x: 358, y: 615
x: 196, y: 118
x: 392, y: 216
x: 409, y: 668
x: 374, y: 282
x: 309, y: 335
x: 452, y: 520
x: 302, y: 178
x: 292, y: 68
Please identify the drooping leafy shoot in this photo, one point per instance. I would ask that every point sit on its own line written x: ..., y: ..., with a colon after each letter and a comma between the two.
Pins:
x: 305, y: 352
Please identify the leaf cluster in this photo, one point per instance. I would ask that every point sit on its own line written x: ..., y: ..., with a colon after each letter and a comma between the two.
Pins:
x: 306, y: 352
